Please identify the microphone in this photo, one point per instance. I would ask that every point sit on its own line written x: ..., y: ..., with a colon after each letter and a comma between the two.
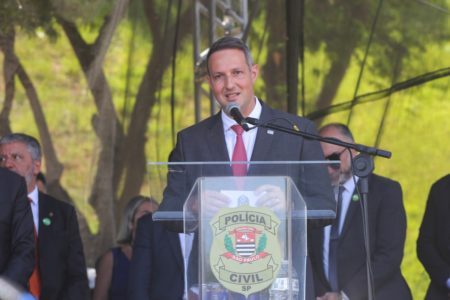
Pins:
x: 232, y: 109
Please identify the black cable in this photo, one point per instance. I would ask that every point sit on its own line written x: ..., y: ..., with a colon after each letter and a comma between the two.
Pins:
x: 174, y: 58
x: 261, y: 41
x: 377, y: 95
x: 387, y: 105
x: 363, y: 64
x: 252, y: 16
x: 435, y: 6
x: 302, y: 56
x: 131, y: 48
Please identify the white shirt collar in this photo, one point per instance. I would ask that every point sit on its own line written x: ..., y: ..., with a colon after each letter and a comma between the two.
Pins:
x: 228, y: 121
x: 349, y: 185
x: 34, y: 196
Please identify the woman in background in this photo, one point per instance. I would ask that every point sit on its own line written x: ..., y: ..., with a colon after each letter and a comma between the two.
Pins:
x: 113, y: 266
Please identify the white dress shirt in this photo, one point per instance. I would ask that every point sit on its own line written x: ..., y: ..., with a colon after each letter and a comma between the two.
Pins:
x: 34, y: 204
x: 248, y: 137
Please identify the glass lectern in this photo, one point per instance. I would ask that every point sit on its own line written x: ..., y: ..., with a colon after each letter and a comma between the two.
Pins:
x: 249, y: 232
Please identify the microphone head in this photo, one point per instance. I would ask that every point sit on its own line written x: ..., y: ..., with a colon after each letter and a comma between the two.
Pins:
x: 230, y: 106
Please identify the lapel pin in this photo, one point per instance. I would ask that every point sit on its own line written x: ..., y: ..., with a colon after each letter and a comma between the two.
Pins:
x: 46, y: 221
x: 355, y: 197
x: 270, y: 131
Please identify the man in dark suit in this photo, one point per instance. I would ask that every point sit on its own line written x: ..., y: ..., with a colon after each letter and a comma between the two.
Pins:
x: 157, y: 267
x: 16, y: 229
x: 232, y: 74
x: 60, y: 272
x: 387, y: 226
x: 433, y: 244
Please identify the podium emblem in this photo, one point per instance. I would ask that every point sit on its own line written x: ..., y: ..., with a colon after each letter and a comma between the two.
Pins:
x: 245, y: 253
x: 245, y: 237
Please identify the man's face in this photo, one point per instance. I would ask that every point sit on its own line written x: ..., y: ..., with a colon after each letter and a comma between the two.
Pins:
x: 16, y: 157
x: 343, y: 173
x: 232, y: 79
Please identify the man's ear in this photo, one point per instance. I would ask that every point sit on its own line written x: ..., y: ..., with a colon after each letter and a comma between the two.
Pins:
x: 37, y: 166
x: 254, y: 71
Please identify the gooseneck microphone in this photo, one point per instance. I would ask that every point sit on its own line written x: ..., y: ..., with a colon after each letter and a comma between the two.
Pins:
x: 232, y: 109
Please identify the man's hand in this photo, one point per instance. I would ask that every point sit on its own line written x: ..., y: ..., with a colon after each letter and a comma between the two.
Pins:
x: 330, y: 296
x: 270, y: 196
x: 213, y: 201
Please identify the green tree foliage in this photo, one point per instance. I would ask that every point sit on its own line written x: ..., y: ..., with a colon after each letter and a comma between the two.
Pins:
x: 342, y: 29
x: 27, y: 15
x: 97, y: 78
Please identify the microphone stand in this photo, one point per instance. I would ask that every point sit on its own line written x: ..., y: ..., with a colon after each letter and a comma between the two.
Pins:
x: 362, y: 166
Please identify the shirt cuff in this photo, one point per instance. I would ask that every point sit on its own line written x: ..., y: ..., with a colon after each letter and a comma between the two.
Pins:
x: 345, y: 297
x: 448, y: 283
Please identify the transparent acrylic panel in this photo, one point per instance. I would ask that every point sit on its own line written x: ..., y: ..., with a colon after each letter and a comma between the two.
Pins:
x: 171, y: 183
x: 244, y: 247
x: 249, y: 232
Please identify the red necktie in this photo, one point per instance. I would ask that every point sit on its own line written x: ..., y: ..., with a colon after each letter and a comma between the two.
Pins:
x: 239, y: 153
x: 35, y: 281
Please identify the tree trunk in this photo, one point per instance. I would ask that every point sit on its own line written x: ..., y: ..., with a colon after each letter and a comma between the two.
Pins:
x: 9, y: 69
x: 334, y: 77
x: 134, y: 165
x: 274, y: 71
x: 110, y: 133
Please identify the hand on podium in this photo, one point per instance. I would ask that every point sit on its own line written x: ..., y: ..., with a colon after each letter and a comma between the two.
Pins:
x: 270, y: 196
x: 214, y: 201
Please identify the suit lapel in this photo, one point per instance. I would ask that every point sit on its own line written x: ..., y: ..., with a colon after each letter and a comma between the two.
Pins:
x: 352, y: 210
x: 175, y: 246
x: 216, y: 140
x: 263, y: 140
x: 217, y: 147
x: 43, y: 213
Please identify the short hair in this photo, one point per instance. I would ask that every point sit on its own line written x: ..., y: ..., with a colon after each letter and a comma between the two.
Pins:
x: 125, y: 235
x: 32, y: 144
x: 342, y: 128
x: 229, y: 42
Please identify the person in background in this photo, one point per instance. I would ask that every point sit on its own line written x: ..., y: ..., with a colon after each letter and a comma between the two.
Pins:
x: 16, y: 229
x: 41, y: 182
x: 338, y: 254
x: 157, y: 266
x: 60, y: 269
x: 433, y: 244
x: 113, y: 266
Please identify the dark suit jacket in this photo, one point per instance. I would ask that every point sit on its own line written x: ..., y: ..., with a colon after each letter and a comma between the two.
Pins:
x: 62, y: 266
x: 16, y: 229
x: 387, y: 226
x: 156, y: 270
x: 205, y: 141
x: 433, y: 244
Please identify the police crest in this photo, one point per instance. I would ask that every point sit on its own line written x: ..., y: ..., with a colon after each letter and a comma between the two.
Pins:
x: 245, y: 253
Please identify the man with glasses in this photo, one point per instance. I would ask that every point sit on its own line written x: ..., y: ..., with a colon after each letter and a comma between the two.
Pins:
x: 337, y: 251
